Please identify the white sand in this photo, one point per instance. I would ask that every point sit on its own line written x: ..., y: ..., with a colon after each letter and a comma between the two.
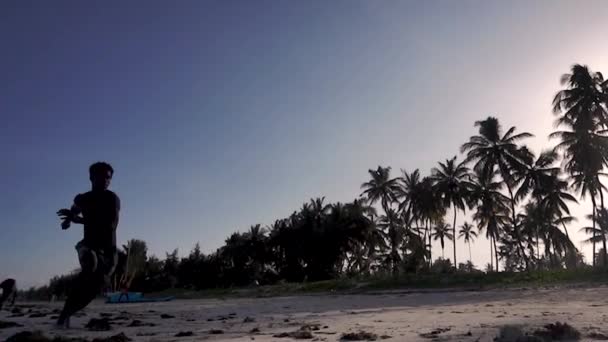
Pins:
x: 401, y: 315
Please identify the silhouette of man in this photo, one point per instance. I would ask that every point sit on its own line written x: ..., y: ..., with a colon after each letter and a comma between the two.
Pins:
x: 97, y: 210
x: 9, y: 290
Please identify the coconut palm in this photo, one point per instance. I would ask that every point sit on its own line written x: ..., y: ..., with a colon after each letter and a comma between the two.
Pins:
x: 394, y: 231
x: 381, y: 187
x: 555, y: 196
x: 581, y: 107
x: 491, y: 150
x: 441, y: 232
x: 468, y: 235
x: 536, y: 175
x: 598, y: 231
x: 491, y: 207
x: 450, y: 184
x: 585, y: 155
x: 583, y: 101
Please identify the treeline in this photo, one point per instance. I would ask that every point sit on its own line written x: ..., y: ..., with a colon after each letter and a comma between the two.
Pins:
x: 518, y: 199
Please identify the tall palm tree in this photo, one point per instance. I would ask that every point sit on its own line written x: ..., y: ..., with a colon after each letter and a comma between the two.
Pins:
x: 598, y: 232
x: 469, y: 235
x: 491, y: 150
x: 583, y: 100
x: 441, y: 231
x: 421, y: 204
x: 581, y: 107
x: 390, y: 224
x: 491, y: 207
x: 585, y: 155
x: 555, y: 196
x: 451, y: 185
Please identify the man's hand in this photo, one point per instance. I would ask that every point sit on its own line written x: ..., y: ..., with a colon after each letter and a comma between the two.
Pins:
x: 65, y: 224
x: 66, y: 215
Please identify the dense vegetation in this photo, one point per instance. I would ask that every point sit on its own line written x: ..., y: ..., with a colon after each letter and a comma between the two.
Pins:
x: 517, y: 199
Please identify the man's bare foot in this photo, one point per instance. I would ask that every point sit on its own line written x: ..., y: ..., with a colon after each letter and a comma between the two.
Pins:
x: 63, y: 324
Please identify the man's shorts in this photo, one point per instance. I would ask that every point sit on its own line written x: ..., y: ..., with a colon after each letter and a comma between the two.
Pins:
x: 96, y: 261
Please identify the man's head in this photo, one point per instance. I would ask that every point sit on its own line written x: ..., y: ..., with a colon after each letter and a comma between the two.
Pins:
x: 100, y: 175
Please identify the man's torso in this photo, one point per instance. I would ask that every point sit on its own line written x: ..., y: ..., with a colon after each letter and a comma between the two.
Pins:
x: 100, y: 213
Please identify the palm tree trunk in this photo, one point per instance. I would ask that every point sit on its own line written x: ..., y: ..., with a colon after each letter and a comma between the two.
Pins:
x: 605, y: 254
x: 496, y: 254
x: 537, y: 248
x: 428, y: 228
x: 593, y: 217
x: 491, y: 254
x: 454, y: 239
x: 564, y: 225
x: 515, y: 228
x: 470, y: 255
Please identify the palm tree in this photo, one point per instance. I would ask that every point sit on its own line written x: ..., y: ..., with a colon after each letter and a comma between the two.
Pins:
x: 393, y: 231
x: 585, y: 155
x: 469, y: 235
x: 555, y: 196
x: 600, y: 232
x: 536, y: 175
x: 451, y: 185
x: 583, y: 101
x: 381, y: 187
x: 491, y: 207
x: 431, y: 209
x: 441, y: 231
x: 491, y: 150
x: 421, y: 204
x: 582, y: 109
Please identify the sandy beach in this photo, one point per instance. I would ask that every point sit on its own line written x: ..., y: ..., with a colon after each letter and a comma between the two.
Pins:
x: 393, y: 316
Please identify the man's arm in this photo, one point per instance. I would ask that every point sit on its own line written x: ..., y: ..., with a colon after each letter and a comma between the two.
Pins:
x: 72, y: 214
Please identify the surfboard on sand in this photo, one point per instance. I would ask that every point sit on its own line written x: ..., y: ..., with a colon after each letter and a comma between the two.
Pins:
x: 133, y: 297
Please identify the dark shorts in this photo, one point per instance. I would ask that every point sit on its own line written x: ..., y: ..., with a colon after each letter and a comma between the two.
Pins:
x: 96, y: 261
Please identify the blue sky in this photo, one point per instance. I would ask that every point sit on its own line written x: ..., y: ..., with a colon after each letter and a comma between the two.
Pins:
x: 221, y: 114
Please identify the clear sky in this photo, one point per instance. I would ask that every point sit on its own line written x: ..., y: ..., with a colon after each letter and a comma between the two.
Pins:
x: 221, y: 114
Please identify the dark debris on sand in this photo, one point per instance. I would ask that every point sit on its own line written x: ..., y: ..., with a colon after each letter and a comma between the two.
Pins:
x: 184, y: 334
x: 38, y: 315
x: 598, y: 336
x: 216, y: 331
x: 435, y: 332
x: 359, y: 336
x: 37, y: 336
x: 304, y: 333
x: 298, y: 335
x: 558, y: 332
x: 166, y: 316
x: 138, y: 323
x: 9, y: 324
x: 98, y: 324
x: 116, y: 338
x: 551, y: 332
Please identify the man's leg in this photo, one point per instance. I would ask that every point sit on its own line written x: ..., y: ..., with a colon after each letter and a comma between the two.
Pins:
x: 14, y: 296
x: 4, y: 297
x: 84, y: 289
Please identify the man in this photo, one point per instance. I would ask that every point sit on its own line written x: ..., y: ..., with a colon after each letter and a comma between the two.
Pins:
x: 97, y: 210
x: 9, y: 291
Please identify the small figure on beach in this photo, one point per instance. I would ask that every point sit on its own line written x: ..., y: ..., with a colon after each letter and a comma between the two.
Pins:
x: 9, y: 291
x: 98, y: 211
